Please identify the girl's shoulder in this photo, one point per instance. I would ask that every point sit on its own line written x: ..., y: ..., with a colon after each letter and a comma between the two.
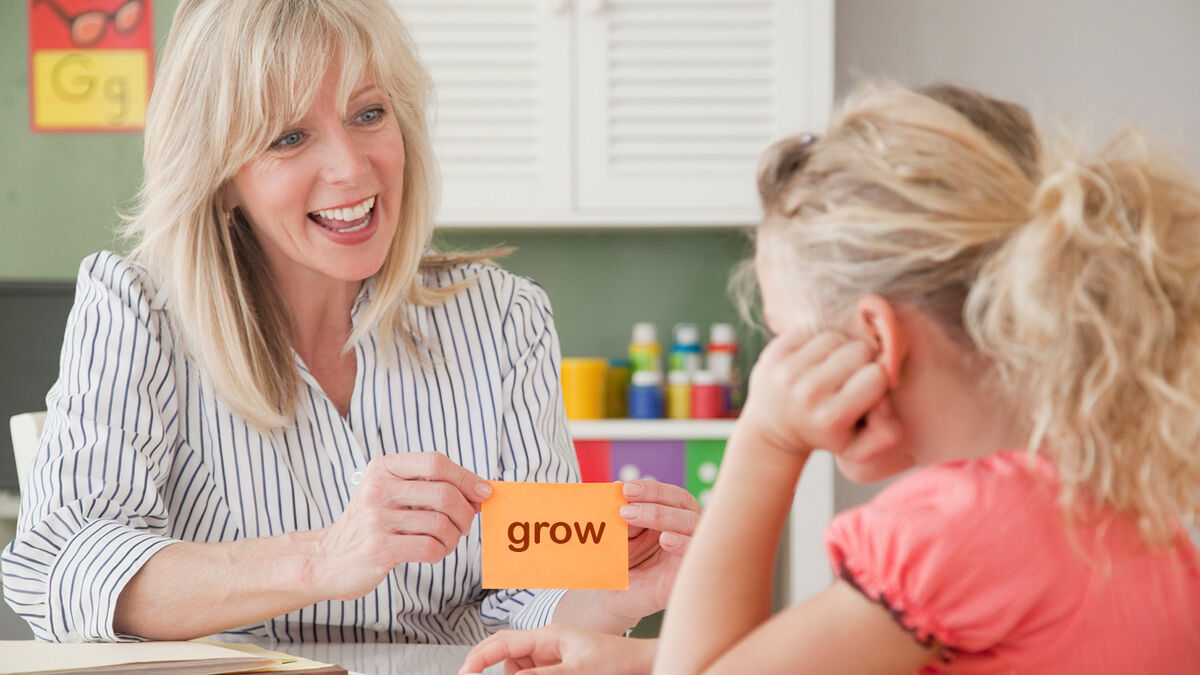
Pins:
x: 962, y: 551
x: 969, y: 490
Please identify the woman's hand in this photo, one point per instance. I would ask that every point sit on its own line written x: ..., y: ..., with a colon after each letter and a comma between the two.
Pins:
x: 661, y: 519
x: 825, y: 392
x: 558, y: 649
x: 411, y: 507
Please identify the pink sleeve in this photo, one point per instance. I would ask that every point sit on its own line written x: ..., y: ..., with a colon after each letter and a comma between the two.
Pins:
x: 952, y: 551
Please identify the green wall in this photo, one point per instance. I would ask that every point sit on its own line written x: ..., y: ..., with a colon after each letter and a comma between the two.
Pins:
x: 58, y: 192
x: 61, y: 193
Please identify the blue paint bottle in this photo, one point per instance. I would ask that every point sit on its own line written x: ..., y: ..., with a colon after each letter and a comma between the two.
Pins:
x: 646, y: 395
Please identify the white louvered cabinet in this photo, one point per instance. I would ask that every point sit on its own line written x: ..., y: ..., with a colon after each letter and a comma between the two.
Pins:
x: 616, y: 112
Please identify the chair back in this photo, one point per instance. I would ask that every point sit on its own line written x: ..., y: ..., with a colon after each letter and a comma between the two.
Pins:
x: 26, y: 431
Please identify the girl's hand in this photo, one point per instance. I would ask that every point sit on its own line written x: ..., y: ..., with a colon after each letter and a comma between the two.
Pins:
x: 559, y: 649
x: 661, y: 519
x: 825, y: 392
x: 411, y: 507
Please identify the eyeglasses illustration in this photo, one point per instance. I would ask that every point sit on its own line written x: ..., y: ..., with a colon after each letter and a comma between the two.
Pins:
x: 88, y: 27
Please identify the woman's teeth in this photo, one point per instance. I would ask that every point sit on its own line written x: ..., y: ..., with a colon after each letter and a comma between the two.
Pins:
x: 346, y: 219
x: 348, y: 214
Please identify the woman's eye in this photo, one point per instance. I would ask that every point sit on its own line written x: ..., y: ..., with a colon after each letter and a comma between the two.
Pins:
x: 290, y: 139
x: 370, y: 116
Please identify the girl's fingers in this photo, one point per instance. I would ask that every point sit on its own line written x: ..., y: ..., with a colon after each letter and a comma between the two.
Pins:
x: 500, y: 647
x: 871, y: 454
x: 861, y: 391
x: 519, y: 649
x: 814, y: 352
x: 834, y: 372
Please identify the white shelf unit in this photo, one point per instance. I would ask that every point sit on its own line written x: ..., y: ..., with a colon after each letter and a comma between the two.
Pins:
x: 650, y: 430
x: 806, y: 563
x: 568, y: 113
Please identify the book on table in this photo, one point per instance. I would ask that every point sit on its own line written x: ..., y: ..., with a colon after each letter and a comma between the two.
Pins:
x: 193, y: 657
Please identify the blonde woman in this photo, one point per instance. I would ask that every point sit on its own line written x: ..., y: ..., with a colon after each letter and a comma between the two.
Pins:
x: 949, y: 291
x: 275, y: 416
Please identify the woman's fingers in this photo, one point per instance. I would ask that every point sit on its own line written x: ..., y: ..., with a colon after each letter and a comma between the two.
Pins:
x: 654, y: 492
x: 660, y: 518
x: 435, y: 467
x: 423, y: 495
x: 433, y: 524
x: 674, y: 542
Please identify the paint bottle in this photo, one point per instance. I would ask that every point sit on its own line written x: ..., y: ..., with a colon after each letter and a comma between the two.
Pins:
x: 708, y: 397
x: 686, y: 354
x: 617, y: 391
x: 583, y: 384
x: 679, y: 395
x: 645, y: 395
x: 644, y: 352
x: 722, y: 363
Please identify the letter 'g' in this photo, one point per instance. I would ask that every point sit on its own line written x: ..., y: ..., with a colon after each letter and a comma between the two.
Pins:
x: 521, y: 541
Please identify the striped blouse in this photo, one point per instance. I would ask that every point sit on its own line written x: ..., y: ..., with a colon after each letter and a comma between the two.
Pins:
x: 138, y: 452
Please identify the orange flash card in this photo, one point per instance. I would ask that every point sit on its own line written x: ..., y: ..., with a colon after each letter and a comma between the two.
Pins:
x: 555, y: 535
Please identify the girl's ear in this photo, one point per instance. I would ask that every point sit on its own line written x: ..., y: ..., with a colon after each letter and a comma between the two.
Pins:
x: 880, y: 325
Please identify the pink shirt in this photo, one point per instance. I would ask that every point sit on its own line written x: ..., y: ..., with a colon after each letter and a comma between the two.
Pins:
x: 978, y: 556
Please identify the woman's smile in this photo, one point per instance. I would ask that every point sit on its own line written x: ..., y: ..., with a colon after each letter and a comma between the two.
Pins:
x: 347, y: 224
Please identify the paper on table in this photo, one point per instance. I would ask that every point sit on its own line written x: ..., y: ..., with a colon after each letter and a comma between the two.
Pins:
x: 190, y: 658
x: 555, y: 535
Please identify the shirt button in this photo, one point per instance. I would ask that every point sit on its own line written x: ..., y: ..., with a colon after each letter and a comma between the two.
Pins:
x: 356, y: 478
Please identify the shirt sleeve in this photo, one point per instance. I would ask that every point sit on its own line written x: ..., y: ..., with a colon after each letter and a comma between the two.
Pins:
x: 91, y: 514
x: 958, y: 554
x: 535, y: 444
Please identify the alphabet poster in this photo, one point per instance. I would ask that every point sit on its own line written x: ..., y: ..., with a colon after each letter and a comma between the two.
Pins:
x: 89, y: 64
x: 555, y: 535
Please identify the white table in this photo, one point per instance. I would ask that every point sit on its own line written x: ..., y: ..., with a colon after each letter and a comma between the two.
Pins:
x: 382, y: 659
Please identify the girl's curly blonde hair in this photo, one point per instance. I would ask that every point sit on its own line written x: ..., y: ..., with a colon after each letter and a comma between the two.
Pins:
x: 1078, y: 279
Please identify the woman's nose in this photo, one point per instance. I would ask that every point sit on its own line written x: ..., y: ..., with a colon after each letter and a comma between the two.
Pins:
x: 345, y: 158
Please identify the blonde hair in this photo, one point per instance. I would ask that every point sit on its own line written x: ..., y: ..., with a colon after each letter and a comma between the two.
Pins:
x: 1078, y: 280
x: 231, y: 77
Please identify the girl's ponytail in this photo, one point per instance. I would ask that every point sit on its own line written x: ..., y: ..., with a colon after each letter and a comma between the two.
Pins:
x: 1091, y: 313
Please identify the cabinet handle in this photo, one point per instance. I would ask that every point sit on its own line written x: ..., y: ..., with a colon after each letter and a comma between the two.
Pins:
x: 597, y: 6
x: 556, y: 7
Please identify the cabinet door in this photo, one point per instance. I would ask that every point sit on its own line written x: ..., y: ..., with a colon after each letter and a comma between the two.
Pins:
x: 501, y: 132
x: 678, y: 98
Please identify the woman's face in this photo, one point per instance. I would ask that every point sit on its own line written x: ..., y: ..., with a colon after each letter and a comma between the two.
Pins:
x: 324, y: 199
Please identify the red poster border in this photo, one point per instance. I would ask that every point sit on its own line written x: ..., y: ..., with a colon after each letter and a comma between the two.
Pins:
x: 148, y: 18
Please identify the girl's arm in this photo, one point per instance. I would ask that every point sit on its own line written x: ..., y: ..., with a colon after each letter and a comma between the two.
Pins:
x: 803, y: 394
x: 836, y: 631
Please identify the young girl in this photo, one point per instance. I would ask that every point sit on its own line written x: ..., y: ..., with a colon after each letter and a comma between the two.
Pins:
x: 949, y: 291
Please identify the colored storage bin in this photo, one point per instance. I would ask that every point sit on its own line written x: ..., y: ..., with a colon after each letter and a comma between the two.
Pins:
x: 595, y: 465
x: 703, y: 460
x: 659, y: 460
